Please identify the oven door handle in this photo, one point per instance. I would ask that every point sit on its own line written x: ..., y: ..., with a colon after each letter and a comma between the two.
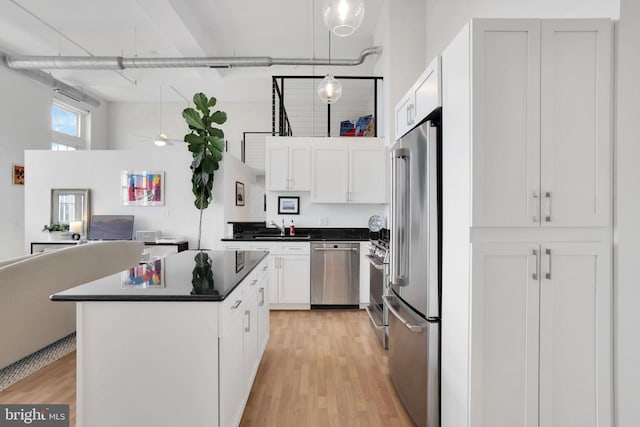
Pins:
x: 374, y: 262
x: 411, y: 326
x: 373, y: 321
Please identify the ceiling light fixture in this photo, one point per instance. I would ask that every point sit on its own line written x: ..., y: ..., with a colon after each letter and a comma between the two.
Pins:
x: 329, y: 89
x: 343, y: 17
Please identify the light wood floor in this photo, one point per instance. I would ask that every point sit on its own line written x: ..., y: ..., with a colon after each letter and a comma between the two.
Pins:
x: 321, y: 368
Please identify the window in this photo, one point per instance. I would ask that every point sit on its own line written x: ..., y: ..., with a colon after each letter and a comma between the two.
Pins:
x: 61, y: 147
x: 67, y: 128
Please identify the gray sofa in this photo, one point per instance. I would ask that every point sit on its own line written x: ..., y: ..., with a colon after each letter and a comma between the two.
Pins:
x: 29, y: 321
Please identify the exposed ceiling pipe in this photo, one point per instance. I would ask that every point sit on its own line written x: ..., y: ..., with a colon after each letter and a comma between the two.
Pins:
x: 57, y: 85
x: 20, y: 62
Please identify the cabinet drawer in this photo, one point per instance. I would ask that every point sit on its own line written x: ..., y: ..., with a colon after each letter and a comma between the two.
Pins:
x: 299, y: 248
x: 232, y: 307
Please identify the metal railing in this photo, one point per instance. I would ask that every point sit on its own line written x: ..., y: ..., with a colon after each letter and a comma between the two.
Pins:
x: 297, y: 110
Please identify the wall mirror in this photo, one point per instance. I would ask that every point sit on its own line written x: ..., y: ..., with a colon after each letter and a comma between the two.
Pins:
x: 71, y: 205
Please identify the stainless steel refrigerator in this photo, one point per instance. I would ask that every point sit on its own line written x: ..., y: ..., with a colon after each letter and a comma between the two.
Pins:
x: 414, y: 297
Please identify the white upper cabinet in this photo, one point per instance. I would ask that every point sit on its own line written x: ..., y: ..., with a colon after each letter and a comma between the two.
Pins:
x: 349, y: 172
x: 576, y: 122
x: 506, y: 116
x: 330, y: 172
x: 541, y: 134
x: 287, y: 164
x: 368, y: 174
x: 423, y: 97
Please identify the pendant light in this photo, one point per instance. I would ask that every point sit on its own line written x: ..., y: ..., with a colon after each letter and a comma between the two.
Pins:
x: 343, y: 17
x: 329, y: 89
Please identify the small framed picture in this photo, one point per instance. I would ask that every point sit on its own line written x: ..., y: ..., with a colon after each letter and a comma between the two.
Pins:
x: 18, y: 174
x: 142, y: 188
x: 239, y: 193
x: 148, y: 274
x: 288, y: 205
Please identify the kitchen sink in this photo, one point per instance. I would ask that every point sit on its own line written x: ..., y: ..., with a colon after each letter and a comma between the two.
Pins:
x: 276, y: 237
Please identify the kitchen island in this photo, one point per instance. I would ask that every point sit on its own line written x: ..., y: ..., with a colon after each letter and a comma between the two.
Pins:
x: 172, y: 341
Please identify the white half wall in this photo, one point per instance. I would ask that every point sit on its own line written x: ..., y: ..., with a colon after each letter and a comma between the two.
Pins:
x: 445, y: 18
x: 627, y: 220
x: 100, y: 172
x: 134, y: 124
x: 25, y: 124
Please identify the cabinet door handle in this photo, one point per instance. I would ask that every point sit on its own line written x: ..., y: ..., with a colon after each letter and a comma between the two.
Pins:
x: 236, y: 304
x: 548, y: 196
x: 248, y: 314
x: 265, y: 268
x: 408, y: 110
x: 261, y: 290
x: 253, y: 282
x: 536, y: 204
x: 548, y: 273
x: 535, y: 276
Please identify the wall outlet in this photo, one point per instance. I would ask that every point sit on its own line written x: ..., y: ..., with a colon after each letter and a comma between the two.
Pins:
x: 324, y: 220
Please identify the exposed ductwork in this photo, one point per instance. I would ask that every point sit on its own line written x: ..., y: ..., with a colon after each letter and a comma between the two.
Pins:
x: 57, y: 85
x: 19, y: 62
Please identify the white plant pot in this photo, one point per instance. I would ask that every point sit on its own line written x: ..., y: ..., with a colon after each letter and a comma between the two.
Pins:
x: 54, y: 235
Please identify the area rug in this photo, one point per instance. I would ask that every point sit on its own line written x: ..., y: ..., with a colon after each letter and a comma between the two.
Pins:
x: 38, y: 360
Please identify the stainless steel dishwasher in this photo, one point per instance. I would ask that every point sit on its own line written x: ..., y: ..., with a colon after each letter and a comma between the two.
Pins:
x: 335, y: 274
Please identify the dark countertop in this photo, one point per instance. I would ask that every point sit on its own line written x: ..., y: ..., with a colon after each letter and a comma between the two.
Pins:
x: 186, y: 276
x: 258, y: 233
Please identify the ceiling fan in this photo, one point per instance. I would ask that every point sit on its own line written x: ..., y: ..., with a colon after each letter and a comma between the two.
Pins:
x: 161, y: 139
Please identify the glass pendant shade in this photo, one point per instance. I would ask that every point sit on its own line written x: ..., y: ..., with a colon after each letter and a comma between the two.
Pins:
x: 161, y: 140
x: 343, y: 17
x: 329, y: 90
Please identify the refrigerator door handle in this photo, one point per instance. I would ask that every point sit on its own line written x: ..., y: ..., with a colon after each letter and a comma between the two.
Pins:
x: 400, y: 204
x: 411, y: 326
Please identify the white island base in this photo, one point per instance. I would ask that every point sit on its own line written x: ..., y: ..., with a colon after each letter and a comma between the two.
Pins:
x: 171, y: 363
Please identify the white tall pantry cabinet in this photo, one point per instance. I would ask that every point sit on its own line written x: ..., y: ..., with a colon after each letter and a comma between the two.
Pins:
x: 527, y: 287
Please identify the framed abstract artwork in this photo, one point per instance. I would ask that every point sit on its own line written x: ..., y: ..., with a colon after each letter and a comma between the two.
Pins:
x: 142, y: 188
x: 17, y: 172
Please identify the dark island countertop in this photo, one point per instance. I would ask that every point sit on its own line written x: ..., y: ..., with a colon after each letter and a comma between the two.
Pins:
x: 186, y: 276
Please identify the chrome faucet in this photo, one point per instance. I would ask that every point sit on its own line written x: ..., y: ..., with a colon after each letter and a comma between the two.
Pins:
x: 280, y: 227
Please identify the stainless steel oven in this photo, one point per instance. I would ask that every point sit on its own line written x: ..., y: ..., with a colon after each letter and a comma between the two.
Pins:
x: 378, y: 287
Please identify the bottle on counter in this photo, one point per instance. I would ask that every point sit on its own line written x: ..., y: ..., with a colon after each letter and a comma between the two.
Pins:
x: 292, y: 229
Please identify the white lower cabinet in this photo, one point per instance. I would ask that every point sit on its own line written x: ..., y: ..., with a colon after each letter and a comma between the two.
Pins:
x: 231, y: 343
x: 541, y: 335
x: 293, y: 279
x: 263, y: 312
x: 243, y: 336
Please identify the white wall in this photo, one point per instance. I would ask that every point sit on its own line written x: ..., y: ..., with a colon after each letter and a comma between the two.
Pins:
x: 400, y: 31
x: 253, y: 209
x: 25, y: 123
x: 100, y: 172
x: 627, y: 220
x: 339, y: 215
x: 133, y: 124
x: 445, y: 18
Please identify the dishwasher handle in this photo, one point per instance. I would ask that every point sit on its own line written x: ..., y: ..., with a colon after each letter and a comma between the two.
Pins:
x: 336, y: 249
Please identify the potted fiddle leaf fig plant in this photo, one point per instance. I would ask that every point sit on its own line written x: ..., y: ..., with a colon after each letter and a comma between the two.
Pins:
x: 206, y: 144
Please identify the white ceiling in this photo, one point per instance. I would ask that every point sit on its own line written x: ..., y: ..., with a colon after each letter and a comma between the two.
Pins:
x: 178, y: 28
